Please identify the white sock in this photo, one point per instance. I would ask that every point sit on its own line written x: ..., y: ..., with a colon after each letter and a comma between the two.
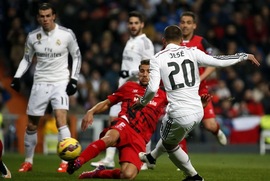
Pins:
x: 110, y: 152
x: 182, y: 161
x: 63, y: 132
x: 30, y: 142
x: 148, y: 146
x: 159, y: 150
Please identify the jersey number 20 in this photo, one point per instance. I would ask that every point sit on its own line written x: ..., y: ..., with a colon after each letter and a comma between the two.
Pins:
x: 177, y: 72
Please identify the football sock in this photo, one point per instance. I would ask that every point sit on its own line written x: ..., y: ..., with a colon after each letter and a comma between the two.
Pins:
x: 92, y: 150
x: 114, y: 174
x: 110, y: 152
x: 30, y: 142
x: 159, y: 150
x: 3, y: 169
x: 63, y: 132
x: 182, y: 161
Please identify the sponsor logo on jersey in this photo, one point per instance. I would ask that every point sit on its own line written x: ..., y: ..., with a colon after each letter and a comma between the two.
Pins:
x: 134, y: 90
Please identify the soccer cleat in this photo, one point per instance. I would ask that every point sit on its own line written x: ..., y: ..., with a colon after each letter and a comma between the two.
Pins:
x: 25, y: 167
x: 92, y: 174
x: 148, y: 159
x: 194, y: 178
x: 74, y: 165
x: 107, y: 163
x: 8, y: 175
x: 62, y: 168
x: 221, y: 138
x: 144, y: 166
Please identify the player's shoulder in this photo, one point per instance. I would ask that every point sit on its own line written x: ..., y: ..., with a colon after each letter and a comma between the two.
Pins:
x: 64, y: 30
x: 35, y: 32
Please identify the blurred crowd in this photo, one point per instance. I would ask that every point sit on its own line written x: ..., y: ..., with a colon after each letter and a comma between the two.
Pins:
x: 100, y: 26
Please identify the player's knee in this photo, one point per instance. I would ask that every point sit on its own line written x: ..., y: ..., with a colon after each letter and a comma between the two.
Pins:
x: 129, y: 174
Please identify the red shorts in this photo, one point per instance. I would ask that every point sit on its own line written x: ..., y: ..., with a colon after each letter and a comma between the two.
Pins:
x: 130, y: 143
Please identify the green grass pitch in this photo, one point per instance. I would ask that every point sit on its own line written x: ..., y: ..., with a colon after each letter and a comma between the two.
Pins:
x: 213, y: 167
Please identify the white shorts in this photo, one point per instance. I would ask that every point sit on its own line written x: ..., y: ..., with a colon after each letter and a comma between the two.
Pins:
x: 172, y: 130
x: 115, y: 109
x: 44, y: 93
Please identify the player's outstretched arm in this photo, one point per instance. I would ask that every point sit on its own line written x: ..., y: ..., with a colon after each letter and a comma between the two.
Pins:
x: 89, y: 116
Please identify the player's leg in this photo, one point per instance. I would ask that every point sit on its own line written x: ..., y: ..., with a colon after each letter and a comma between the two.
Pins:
x: 211, y: 125
x: 148, y: 150
x: 108, y: 160
x: 5, y: 173
x: 177, y: 132
x: 60, y: 105
x: 93, y: 149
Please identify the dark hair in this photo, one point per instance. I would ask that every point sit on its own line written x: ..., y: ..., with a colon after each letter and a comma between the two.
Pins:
x: 189, y: 13
x: 144, y: 62
x: 172, y: 33
x: 136, y: 14
x: 45, y: 6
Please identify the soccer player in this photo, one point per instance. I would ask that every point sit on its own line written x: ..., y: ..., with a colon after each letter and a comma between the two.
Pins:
x: 53, y: 82
x: 188, y: 26
x: 3, y: 168
x: 129, y: 132
x: 178, y: 68
x: 137, y: 48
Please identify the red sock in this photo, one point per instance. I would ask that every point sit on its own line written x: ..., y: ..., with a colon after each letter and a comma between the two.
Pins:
x: 93, y: 150
x: 183, y: 145
x: 115, y: 174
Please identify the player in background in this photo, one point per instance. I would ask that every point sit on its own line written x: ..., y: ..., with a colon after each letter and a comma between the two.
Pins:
x: 5, y: 173
x: 53, y: 82
x: 138, y: 47
x: 178, y: 68
x: 129, y: 132
x: 188, y: 26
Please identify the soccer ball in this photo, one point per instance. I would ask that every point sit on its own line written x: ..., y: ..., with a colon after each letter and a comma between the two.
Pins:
x: 69, y: 149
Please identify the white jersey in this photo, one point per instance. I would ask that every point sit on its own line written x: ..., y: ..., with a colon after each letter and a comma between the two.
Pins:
x: 51, y: 50
x: 137, y: 49
x: 177, y: 67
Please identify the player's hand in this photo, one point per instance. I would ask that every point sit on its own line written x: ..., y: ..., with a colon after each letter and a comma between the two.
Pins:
x: 71, y: 87
x: 87, y: 120
x: 206, y: 98
x: 15, y: 84
x: 253, y: 59
x: 137, y: 105
x: 124, y: 73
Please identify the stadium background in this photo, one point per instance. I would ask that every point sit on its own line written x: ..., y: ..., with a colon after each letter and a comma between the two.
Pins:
x: 231, y: 26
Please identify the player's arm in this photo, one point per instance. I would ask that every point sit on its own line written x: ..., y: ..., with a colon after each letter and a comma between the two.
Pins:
x: 76, y: 56
x: 89, y: 116
x: 208, y: 71
x: 76, y: 64
x: 24, y: 65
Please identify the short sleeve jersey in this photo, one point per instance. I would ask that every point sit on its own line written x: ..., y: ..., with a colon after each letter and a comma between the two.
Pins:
x: 143, y: 121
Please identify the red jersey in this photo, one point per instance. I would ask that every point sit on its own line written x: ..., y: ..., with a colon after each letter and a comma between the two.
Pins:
x: 200, y: 43
x: 144, y: 121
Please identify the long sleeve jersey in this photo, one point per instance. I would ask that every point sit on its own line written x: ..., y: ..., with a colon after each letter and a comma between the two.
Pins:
x: 137, y: 49
x: 177, y: 66
x: 51, y: 50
